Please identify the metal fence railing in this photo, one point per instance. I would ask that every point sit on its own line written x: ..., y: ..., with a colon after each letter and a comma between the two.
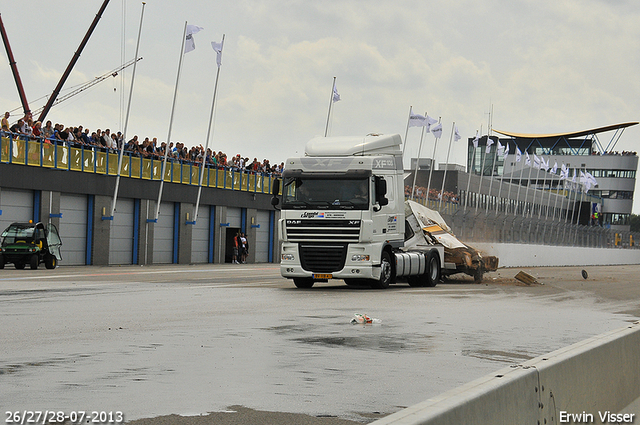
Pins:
x: 92, y: 159
x: 472, y: 225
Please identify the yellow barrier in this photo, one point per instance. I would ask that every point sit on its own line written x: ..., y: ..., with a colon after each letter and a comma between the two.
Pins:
x: 4, y: 149
x: 146, y: 169
x: 113, y: 163
x: 48, y: 155
x: 93, y: 160
x: 34, y: 153
x: 18, y: 154
x: 101, y: 162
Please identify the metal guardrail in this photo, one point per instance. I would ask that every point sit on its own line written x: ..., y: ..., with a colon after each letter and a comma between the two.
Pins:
x: 96, y: 160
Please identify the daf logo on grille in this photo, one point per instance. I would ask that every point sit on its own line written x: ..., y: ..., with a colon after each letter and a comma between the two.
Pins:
x: 294, y: 221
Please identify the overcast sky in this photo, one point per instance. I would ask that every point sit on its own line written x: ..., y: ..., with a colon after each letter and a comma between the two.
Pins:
x: 546, y: 66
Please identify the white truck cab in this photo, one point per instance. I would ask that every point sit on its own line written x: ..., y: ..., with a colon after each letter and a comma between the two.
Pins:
x: 343, y: 214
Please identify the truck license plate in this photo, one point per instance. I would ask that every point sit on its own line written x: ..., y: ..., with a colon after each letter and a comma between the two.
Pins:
x: 323, y: 276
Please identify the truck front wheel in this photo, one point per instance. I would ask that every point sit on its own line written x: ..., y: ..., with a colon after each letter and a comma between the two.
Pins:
x: 385, y: 272
x: 433, y: 269
x: 303, y: 282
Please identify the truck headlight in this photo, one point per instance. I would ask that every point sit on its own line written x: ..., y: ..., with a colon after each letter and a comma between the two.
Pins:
x: 288, y: 257
x: 359, y: 257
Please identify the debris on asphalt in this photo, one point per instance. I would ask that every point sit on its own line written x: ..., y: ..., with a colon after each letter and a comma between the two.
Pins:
x: 585, y: 275
x: 526, y: 278
x: 364, y: 319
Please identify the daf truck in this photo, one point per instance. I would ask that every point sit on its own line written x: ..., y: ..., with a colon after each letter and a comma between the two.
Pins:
x: 343, y: 217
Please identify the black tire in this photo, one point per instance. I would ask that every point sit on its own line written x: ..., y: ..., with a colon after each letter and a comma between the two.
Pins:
x: 415, y: 281
x: 303, y: 282
x: 19, y: 266
x: 434, y: 271
x: 1, y: 262
x: 50, y: 261
x: 33, y: 262
x: 478, y: 274
x: 386, y: 272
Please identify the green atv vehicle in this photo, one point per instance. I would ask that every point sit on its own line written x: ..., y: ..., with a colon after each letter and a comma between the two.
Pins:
x: 30, y: 243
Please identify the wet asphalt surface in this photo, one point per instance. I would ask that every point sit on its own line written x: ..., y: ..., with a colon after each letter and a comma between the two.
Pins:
x: 189, y: 340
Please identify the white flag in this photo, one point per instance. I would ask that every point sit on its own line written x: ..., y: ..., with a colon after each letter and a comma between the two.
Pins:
x: 537, y: 162
x: 506, y: 152
x: 475, y: 141
x: 555, y: 167
x: 500, y: 149
x: 218, y: 48
x: 416, y: 120
x: 575, y: 173
x: 437, y: 130
x: 527, y: 160
x: 189, y: 44
x: 430, y: 122
x: 489, y: 143
x: 456, y: 135
x: 336, y: 96
x: 518, y: 154
x: 591, y: 179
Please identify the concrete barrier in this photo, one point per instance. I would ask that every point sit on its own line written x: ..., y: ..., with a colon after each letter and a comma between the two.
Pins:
x: 594, y: 381
x: 521, y: 255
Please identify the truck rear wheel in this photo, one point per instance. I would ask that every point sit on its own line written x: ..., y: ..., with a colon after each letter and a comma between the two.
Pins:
x: 303, y: 282
x: 385, y: 272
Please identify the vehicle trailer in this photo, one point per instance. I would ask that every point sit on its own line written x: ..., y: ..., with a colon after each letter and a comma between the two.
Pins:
x: 343, y: 216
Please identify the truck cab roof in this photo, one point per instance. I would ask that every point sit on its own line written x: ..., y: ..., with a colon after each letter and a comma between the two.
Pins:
x: 371, y: 144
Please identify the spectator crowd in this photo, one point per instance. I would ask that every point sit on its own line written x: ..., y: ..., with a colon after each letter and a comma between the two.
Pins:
x: 420, y: 193
x: 108, y: 141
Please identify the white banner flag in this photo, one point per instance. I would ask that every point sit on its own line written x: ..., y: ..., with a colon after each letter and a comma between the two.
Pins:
x: 416, y: 120
x: 218, y: 48
x: 555, y: 167
x: 527, y: 160
x: 437, y: 130
x: 475, y: 142
x: 456, y: 135
x: 518, y: 154
x: 336, y: 96
x: 189, y: 44
x: 489, y: 143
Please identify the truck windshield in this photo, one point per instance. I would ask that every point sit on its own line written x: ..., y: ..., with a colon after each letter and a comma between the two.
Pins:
x: 325, y: 193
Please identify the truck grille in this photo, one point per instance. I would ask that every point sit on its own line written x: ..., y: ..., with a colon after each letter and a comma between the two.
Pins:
x: 323, y: 230
x: 322, y: 258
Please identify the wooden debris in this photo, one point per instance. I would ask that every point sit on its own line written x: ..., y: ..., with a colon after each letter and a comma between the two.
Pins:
x: 526, y: 278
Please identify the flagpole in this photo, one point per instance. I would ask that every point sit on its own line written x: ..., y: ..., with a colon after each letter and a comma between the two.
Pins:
x: 446, y: 165
x: 406, y: 133
x: 526, y: 193
x: 415, y: 173
x: 500, y: 186
x: 209, y: 131
x: 506, y: 212
x: 544, y: 182
x: 533, y: 202
x: 471, y: 167
x: 326, y: 128
x: 482, y: 161
x: 173, y: 107
x: 433, y: 160
x: 126, y: 121
x: 493, y: 163
x: 549, y: 197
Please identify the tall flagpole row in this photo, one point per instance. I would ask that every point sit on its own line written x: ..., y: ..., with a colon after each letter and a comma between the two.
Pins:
x: 446, y: 165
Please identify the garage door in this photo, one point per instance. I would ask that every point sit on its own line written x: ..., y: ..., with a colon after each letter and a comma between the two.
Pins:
x: 234, y: 217
x: 200, y: 236
x: 163, y: 235
x: 73, y: 229
x: 121, y: 236
x: 16, y: 205
x: 262, y: 237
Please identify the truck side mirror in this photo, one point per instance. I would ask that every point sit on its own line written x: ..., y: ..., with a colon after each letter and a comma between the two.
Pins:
x: 275, y: 191
x: 381, y: 191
